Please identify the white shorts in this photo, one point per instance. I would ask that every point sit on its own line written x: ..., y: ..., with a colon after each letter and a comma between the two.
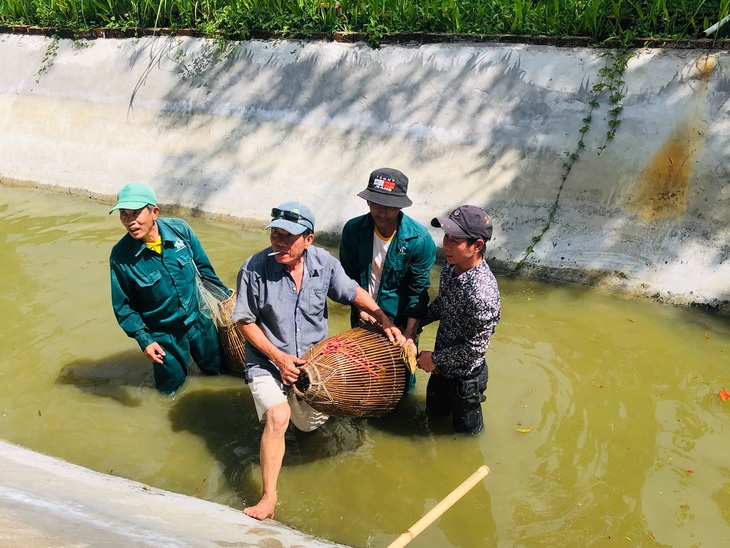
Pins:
x: 268, y: 392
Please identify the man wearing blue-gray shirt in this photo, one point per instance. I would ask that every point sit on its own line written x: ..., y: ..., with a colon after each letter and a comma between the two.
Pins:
x: 281, y: 309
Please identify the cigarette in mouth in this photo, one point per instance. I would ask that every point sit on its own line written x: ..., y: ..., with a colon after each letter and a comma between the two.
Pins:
x: 274, y: 253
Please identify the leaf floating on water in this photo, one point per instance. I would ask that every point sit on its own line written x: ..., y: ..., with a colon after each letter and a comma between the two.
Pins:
x: 724, y: 394
x: 525, y: 430
x: 690, y: 472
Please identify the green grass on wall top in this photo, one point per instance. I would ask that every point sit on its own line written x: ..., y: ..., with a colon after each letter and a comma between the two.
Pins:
x: 596, y: 20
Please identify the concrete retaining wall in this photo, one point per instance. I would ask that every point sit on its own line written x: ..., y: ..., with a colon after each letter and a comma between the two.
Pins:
x: 49, y: 502
x: 235, y: 129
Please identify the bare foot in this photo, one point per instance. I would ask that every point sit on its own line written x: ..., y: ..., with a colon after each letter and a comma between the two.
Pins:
x: 264, y: 509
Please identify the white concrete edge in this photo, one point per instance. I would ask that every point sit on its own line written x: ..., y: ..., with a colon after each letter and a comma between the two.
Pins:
x: 78, y: 506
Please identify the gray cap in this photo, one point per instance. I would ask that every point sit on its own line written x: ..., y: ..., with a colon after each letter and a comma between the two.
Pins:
x: 293, y: 217
x: 466, y: 221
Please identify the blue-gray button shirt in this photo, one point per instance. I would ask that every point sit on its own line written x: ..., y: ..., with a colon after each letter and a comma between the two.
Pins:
x: 294, y: 323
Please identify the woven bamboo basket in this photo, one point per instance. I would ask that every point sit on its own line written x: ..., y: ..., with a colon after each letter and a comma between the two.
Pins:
x: 232, y: 341
x: 358, y: 373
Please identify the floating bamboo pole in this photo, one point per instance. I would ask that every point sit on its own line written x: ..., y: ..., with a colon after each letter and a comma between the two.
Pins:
x: 418, y: 527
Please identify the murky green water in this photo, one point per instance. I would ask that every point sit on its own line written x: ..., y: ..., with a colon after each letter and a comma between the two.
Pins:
x: 627, y: 442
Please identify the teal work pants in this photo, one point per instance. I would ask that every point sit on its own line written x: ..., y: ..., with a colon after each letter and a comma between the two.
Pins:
x: 199, y: 342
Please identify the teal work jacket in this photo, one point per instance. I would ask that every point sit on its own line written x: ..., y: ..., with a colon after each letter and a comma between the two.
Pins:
x: 406, y: 277
x: 158, y: 293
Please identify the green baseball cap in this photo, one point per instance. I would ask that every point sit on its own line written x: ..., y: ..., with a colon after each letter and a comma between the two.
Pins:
x: 135, y: 196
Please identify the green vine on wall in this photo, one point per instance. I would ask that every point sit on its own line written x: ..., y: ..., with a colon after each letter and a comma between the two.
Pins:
x: 196, y: 65
x: 49, y: 57
x: 611, y: 82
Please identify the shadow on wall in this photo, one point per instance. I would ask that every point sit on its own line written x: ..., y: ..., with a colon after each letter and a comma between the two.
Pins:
x: 501, y: 118
x: 357, y: 115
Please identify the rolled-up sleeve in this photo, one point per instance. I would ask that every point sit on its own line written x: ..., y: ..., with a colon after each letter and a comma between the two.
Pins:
x: 246, y: 308
x: 342, y: 288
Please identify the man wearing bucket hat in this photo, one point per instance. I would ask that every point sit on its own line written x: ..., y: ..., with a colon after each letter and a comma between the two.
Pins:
x: 154, y: 270
x: 281, y: 309
x: 468, y: 308
x: 389, y: 254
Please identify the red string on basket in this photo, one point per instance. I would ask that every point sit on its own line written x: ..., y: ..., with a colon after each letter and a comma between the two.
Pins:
x: 350, y: 350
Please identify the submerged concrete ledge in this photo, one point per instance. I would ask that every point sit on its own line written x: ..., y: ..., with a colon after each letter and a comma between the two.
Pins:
x: 49, y: 502
x: 233, y: 129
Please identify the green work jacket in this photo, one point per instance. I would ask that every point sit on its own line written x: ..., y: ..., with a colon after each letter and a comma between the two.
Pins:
x: 406, y: 277
x: 158, y: 293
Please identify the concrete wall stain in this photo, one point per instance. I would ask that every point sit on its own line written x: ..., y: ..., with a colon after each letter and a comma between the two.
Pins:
x: 664, y: 187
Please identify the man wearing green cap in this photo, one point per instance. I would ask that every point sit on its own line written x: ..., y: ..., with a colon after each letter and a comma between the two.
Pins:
x: 154, y: 289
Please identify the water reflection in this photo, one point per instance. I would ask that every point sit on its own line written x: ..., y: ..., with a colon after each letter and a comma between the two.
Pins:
x: 602, y: 421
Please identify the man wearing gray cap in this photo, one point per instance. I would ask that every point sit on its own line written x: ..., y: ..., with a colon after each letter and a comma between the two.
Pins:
x: 468, y: 308
x: 154, y: 289
x: 389, y: 254
x: 281, y: 309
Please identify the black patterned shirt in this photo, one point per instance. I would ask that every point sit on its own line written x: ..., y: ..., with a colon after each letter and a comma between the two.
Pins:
x: 468, y: 308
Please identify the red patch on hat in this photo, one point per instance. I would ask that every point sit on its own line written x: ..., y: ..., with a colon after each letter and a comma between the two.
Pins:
x: 383, y: 184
